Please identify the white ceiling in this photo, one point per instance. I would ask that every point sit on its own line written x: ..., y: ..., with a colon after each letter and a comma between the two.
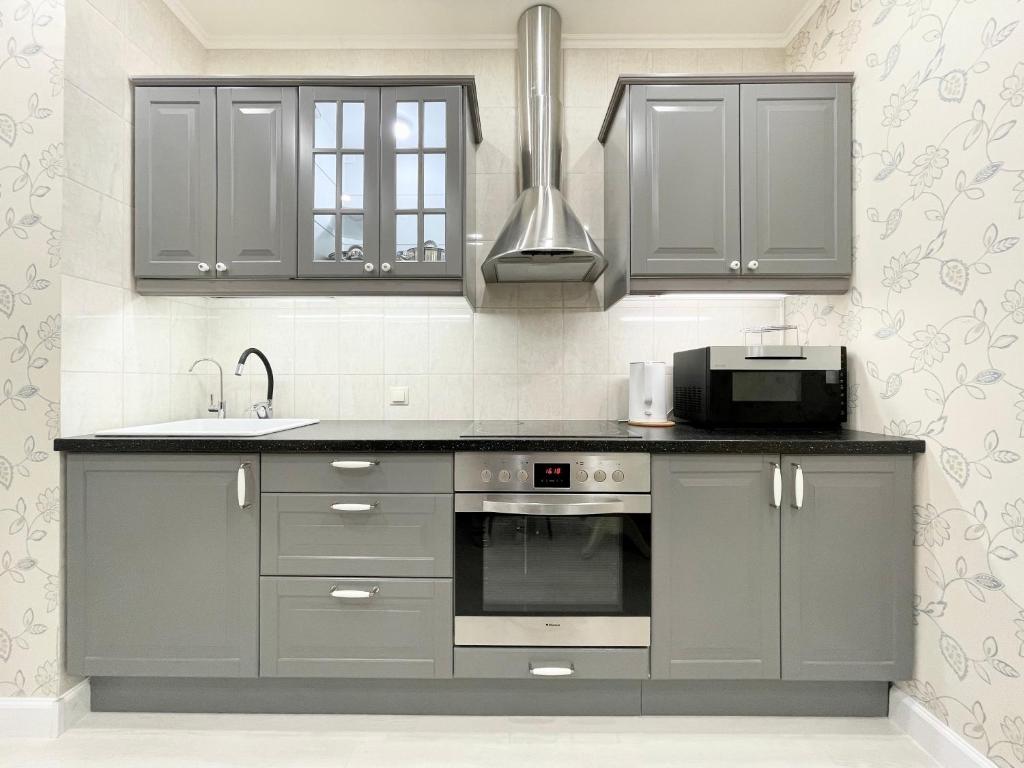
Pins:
x: 488, y: 23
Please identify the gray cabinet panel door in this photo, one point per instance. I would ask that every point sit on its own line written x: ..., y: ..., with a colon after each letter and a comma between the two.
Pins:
x: 401, y: 628
x: 175, y: 182
x: 386, y: 534
x: 162, y: 566
x: 715, y: 608
x: 421, y: 190
x: 256, y: 188
x: 847, y: 568
x: 795, y: 154
x: 685, y: 179
x: 339, y: 181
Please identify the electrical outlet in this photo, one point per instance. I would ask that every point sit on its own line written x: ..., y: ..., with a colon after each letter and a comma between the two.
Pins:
x: 398, y: 395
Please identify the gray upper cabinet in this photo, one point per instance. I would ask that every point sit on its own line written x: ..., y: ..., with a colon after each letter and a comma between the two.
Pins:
x: 256, y: 184
x: 685, y: 195
x: 162, y: 565
x: 339, y: 178
x: 733, y: 182
x: 175, y: 182
x: 715, y: 578
x: 847, y: 568
x: 422, y: 169
x: 796, y: 159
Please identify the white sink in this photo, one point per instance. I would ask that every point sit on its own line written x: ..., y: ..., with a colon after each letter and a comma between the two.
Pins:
x: 209, y: 428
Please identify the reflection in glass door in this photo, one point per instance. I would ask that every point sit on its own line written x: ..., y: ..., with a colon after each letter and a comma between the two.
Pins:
x: 338, y: 162
x: 420, y: 200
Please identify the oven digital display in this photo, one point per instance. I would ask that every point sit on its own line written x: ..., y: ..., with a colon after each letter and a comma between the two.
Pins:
x: 547, y: 475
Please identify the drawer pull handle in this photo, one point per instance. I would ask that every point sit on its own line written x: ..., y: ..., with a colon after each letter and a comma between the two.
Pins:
x: 242, y: 485
x: 354, y: 594
x: 353, y: 507
x: 354, y: 464
x: 776, y: 486
x: 798, y: 486
x: 552, y: 670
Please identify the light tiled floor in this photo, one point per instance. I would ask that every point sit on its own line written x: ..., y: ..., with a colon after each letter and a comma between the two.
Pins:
x: 310, y: 741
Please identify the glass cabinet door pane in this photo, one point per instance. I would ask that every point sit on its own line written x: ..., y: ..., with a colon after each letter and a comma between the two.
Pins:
x: 434, y: 123
x: 433, y: 237
x: 352, y: 238
x: 325, y: 125
x: 406, y: 237
x: 352, y: 117
x: 323, y: 237
x: 407, y: 176
x: 351, y: 181
x: 407, y: 125
x: 325, y: 181
x: 433, y: 180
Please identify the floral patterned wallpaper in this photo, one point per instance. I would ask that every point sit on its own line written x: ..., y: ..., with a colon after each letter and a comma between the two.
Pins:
x: 934, y: 320
x: 31, y: 171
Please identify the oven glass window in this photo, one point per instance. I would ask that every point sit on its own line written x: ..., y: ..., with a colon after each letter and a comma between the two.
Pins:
x: 766, y: 386
x: 552, y: 565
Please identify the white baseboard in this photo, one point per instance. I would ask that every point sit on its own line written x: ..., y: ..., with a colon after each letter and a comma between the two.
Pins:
x: 947, y: 747
x: 44, y: 718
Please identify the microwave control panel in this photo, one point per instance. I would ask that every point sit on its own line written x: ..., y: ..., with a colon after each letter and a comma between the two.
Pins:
x: 553, y: 472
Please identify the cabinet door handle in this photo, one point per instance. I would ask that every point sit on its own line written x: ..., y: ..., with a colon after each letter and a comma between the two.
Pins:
x: 368, y: 267
x: 346, y: 464
x: 355, y: 594
x: 242, y: 485
x: 734, y: 265
x: 220, y: 266
x: 385, y: 267
x: 752, y: 265
x: 345, y: 507
x: 798, y: 486
x: 202, y: 266
x: 776, y: 486
x: 552, y: 670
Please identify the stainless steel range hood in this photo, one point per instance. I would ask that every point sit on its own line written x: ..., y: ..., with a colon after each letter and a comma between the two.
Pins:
x: 542, y: 240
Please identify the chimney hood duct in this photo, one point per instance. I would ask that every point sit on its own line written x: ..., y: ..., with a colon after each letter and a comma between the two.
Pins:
x: 542, y: 240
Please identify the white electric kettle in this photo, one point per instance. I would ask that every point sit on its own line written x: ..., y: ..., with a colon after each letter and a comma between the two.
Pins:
x: 647, y: 395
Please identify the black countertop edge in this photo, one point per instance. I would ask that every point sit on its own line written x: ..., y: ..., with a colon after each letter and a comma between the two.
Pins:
x: 679, y: 439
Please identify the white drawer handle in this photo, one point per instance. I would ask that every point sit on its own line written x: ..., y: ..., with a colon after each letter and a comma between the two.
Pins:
x: 353, y: 507
x: 354, y: 464
x: 776, y: 486
x: 798, y: 486
x: 354, y: 594
x: 552, y: 670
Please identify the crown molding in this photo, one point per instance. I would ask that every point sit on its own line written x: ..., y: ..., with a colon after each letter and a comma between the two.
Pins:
x: 802, y: 17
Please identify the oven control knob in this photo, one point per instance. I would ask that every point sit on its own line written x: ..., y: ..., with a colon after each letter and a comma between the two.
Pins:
x: 486, y: 475
x: 600, y: 476
x: 617, y: 476
x: 582, y: 476
x: 523, y: 475
x: 504, y: 476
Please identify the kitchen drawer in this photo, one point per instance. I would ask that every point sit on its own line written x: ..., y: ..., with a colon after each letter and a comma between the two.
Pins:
x: 585, y: 663
x: 385, y: 534
x: 403, y: 629
x: 358, y: 472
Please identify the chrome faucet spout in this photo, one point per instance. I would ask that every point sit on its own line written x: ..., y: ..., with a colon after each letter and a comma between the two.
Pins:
x: 221, y: 407
x: 265, y: 409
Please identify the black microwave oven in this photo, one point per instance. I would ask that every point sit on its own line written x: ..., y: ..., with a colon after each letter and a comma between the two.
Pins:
x: 764, y: 386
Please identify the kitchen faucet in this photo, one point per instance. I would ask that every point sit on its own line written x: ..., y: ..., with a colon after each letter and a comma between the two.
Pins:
x: 263, y: 409
x: 221, y: 407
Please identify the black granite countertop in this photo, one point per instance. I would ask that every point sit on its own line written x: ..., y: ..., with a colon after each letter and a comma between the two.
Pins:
x: 349, y: 436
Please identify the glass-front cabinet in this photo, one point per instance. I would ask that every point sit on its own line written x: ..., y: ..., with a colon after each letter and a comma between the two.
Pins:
x: 339, y: 171
x: 421, y: 201
x: 379, y: 182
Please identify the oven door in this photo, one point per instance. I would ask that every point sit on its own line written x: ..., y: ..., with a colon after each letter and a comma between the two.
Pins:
x: 553, y: 569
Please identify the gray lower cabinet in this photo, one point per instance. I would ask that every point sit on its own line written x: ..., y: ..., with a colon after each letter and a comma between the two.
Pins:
x: 256, y: 182
x: 847, y: 568
x: 686, y: 167
x: 383, y: 534
x: 715, y: 581
x: 344, y: 627
x: 162, y: 565
x: 796, y: 157
x: 175, y: 182
x: 553, y: 663
x: 819, y: 587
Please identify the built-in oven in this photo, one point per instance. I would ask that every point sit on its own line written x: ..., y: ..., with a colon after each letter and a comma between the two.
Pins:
x: 552, y: 549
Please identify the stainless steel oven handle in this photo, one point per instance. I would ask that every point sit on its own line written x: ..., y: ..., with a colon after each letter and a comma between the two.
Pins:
x: 526, y: 506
